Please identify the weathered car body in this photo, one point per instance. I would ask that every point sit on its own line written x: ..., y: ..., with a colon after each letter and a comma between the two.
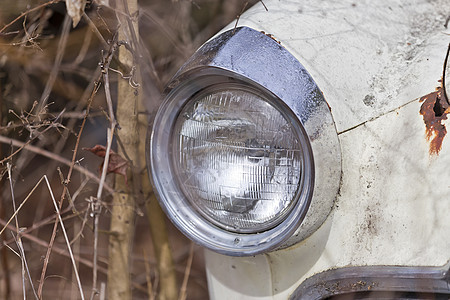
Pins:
x: 377, y: 221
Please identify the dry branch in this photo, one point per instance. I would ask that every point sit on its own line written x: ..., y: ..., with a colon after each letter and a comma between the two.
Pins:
x: 53, y: 156
x: 40, y: 60
x: 167, y: 277
x: 64, y: 193
x: 66, y: 238
x: 183, y: 290
x: 26, y: 13
x: 44, y: 178
x: 122, y: 213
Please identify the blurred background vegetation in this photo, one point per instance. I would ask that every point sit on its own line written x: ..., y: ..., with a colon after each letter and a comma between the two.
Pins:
x: 49, y: 73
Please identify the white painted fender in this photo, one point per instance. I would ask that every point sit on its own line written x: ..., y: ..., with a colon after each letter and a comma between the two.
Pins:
x: 373, y: 61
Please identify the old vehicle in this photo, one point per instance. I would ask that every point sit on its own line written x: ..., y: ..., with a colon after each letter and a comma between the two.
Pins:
x: 306, y: 150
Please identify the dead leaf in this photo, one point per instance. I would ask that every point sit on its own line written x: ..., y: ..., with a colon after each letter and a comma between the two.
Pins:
x: 75, y: 9
x: 434, y: 110
x: 117, y: 164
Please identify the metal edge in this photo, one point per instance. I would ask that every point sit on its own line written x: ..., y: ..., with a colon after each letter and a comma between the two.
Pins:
x: 375, y: 279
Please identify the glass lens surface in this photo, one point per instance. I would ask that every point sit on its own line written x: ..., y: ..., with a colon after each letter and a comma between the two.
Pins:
x: 237, y: 158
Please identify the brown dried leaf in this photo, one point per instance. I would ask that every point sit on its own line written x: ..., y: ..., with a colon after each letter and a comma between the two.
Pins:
x: 434, y: 110
x: 75, y: 9
x: 116, y: 163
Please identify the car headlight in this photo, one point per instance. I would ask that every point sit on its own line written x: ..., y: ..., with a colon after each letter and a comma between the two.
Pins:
x: 231, y: 151
x: 242, y: 161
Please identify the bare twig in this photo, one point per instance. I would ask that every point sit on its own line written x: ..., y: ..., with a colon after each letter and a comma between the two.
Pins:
x: 35, y: 226
x: 53, y: 156
x: 63, y: 195
x: 25, y: 144
x: 95, y: 30
x: 76, y: 244
x: 25, y: 268
x: 59, y: 218
x: 135, y: 47
x: 73, y: 115
x: 12, y: 250
x: 5, y: 270
x: 96, y: 202
x: 71, y: 204
x: 96, y: 205
x: 20, y: 206
x: 102, y: 291
x: 65, y: 237
x: 151, y: 293
x: 443, y: 75
x: 239, y: 16
x: 183, y: 291
x: 12, y: 194
x: 171, y: 36
x: 158, y: 231
x: 80, y: 232
x: 263, y: 5
x: 27, y: 12
x: 44, y: 244
x: 63, y: 252
x: 19, y: 240
x: 3, y: 252
x: 59, y: 55
x: 84, y: 48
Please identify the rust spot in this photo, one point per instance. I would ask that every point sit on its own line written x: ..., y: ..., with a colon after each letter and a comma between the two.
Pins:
x: 272, y: 37
x: 434, y: 110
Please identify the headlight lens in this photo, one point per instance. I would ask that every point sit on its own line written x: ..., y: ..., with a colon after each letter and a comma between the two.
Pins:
x: 237, y: 158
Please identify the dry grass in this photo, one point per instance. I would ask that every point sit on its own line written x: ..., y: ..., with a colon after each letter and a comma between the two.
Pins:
x: 58, y: 90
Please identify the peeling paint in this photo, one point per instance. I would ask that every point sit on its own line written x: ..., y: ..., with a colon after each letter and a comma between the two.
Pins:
x: 434, y: 110
x: 272, y: 37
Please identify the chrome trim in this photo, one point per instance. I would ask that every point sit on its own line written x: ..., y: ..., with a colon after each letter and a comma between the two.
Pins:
x: 377, y: 281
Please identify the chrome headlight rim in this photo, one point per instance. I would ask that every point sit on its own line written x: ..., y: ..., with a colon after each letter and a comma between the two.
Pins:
x: 256, y: 58
x: 171, y: 197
